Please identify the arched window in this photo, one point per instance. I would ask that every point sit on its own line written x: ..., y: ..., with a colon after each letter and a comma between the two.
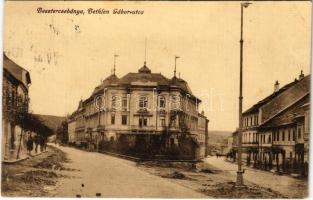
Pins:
x: 162, y: 102
x: 143, y: 102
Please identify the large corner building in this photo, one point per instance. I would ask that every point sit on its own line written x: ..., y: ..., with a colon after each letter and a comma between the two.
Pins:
x: 144, y: 114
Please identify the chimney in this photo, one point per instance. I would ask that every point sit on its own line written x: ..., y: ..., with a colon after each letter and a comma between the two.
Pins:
x: 276, y: 86
x: 301, y: 76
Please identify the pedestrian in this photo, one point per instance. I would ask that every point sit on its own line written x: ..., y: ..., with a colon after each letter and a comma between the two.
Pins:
x: 37, y: 142
x: 29, y: 144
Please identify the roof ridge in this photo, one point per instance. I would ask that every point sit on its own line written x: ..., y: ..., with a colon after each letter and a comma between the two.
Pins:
x: 288, y: 106
x: 268, y: 98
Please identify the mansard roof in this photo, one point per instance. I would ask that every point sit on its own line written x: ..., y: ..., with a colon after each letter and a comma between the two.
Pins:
x: 110, y: 80
x: 153, y: 77
x: 144, y: 74
x: 180, y: 83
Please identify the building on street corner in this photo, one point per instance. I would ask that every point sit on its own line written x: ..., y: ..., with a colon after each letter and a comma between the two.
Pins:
x: 143, y: 114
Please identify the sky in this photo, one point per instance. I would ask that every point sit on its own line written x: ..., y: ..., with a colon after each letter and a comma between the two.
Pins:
x: 68, y: 55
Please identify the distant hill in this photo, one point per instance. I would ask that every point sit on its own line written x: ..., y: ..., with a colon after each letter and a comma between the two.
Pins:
x: 51, y: 121
x: 218, y: 136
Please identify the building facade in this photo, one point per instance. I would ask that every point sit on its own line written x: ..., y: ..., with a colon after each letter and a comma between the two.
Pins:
x: 276, y: 130
x: 142, y: 113
x: 16, y: 81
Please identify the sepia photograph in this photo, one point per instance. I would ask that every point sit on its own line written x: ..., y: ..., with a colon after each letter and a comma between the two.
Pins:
x: 156, y: 99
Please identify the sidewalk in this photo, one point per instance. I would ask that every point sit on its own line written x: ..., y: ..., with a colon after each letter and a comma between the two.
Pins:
x: 33, y: 177
x: 287, y: 185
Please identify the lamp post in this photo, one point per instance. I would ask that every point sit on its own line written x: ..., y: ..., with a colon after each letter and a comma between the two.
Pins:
x: 239, y: 181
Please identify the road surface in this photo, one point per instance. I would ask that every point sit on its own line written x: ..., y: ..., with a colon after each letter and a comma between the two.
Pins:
x: 113, y: 177
x: 286, y: 185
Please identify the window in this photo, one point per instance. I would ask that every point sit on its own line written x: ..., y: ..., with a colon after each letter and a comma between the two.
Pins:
x: 114, y: 102
x: 175, y: 102
x: 250, y: 121
x: 283, y: 136
x: 299, y: 133
x: 277, y: 136
x: 143, y: 102
x: 124, y: 119
x: 269, y: 139
x: 289, y: 135
x: 162, y: 122
x: 162, y: 102
x: 124, y: 102
x: 274, y: 136
x: 143, y: 121
x: 294, y: 134
x: 112, y: 119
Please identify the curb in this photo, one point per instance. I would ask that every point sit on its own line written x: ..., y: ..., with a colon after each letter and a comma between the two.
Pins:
x: 21, y: 159
x: 14, y: 161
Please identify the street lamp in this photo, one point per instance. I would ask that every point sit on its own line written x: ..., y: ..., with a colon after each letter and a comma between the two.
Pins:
x: 239, y: 182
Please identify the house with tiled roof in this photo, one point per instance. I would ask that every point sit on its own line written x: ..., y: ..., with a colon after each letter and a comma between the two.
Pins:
x: 142, y: 113
x: 15, y: 85
x: 276, y: 129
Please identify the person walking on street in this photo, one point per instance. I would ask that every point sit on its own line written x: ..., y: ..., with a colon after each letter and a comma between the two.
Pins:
x: 30, y: 145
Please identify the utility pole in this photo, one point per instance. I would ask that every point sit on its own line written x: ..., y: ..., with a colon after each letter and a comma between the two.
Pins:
x: 239, y: 181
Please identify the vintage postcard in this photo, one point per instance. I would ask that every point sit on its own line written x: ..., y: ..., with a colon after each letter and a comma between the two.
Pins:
x: 156, y: 99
